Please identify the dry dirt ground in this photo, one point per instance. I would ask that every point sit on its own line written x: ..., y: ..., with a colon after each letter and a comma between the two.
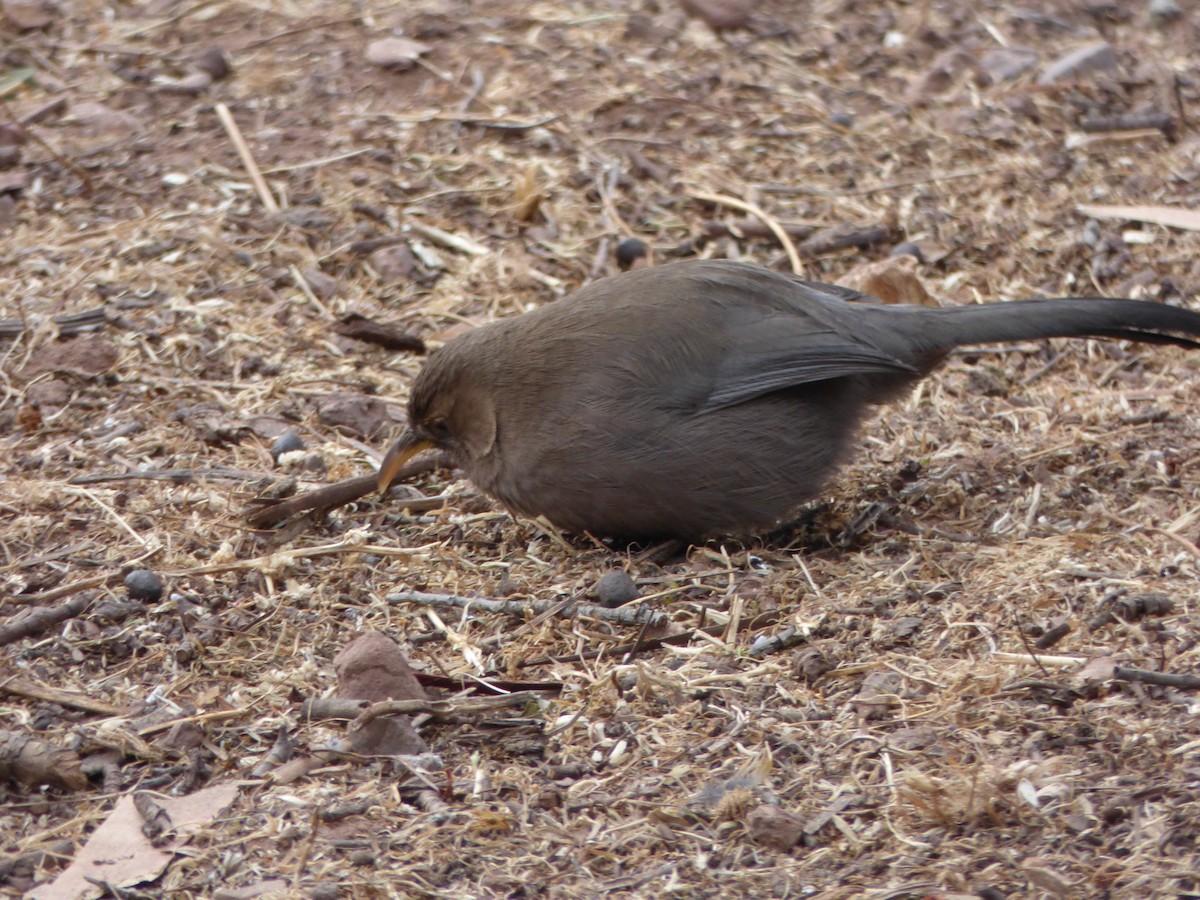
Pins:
x: 913, y: 692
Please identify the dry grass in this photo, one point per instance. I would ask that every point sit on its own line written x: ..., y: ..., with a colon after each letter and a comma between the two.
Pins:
x: 909, y: 730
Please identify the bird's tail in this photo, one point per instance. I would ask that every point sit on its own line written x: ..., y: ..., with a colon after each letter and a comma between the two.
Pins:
x: 1022, y: 320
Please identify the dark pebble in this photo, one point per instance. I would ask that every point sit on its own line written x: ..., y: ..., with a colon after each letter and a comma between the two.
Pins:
x: 144, y: 585
x: 286, y: 443
x: 842, y: 120
x: 630, y: 251
x: 615, y: 588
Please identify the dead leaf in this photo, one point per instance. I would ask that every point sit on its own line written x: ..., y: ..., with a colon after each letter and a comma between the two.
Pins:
x: 118, y: 853
x: 891, y: 280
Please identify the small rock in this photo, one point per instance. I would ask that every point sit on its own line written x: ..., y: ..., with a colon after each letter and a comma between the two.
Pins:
x: 96, y: 118
x: 287, y: 442
x: 945, y: 69
x: 355, y: 414
x: 321, y: 284
x: 13, y: 182
x: 144, y: 585
x: 1006, y: 63
x: 372, y: 667
x: 629, y: 251
x: 615, y: 588
x: 51, y: 394
x: 8, y: 212
x: 215, y: 63
x: 774, y: 827
x: 641, y: 27
x: 1098, y: 57
x: 393, y: 264
x: 719, y: 15
x: 842, y: 120
x: 250, y: 892
x: 27, y: 15
x: 397, y: 54
x: 88, y: 356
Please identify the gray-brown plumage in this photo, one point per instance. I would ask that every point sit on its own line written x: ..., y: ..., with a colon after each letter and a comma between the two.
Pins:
x: 705, y: 397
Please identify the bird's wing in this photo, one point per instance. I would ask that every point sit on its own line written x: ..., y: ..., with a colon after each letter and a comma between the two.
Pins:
x: 781, y: 353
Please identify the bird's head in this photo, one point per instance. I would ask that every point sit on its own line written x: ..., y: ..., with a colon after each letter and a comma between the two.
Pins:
x: 448, y: 410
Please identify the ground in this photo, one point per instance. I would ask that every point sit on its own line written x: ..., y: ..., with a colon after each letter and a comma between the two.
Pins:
x: 937, y: 714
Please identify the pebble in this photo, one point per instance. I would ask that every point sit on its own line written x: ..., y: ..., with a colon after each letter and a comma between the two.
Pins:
x: 630, y: 251
x: 286, y: 443
x: 144, y: 585
x: 615, y: 588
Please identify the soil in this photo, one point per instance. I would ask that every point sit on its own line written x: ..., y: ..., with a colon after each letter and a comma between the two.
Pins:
x: 946, y: 679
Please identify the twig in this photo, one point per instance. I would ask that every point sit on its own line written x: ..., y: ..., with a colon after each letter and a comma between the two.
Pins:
x: 887, y: 185
x: 84, y: 584
x: 169, y: 20
x: 243, y: 150
x: 68, y: 324
x: 623, y: 615
x: 1165, y: 679
x: 30, y: 622
x: 446, y: 239
x: 441, y: 709
x: 317, y: 163
x: 269, y: 511
x: 361, y: 328
x: 306, y: 847
x: 1152, y: 529
x: 179, y: 476
x: 672, y: 640
x: 497, y: 122
x: 120, y: 520
x: 72, y: 699
x: 307, y: 291
x: 778, y: 230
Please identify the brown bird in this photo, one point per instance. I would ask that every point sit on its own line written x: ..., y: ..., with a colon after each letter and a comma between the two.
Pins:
x: 702, y: 398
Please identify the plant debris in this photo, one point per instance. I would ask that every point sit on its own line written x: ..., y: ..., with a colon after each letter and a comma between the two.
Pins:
x: 970, y: 670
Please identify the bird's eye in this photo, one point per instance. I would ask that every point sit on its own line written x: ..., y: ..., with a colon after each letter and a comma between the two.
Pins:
x: 438, y: 429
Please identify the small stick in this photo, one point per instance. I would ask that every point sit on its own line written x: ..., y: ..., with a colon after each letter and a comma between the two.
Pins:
x: 269, y: 511
x: 39, y: 620
x: 623, y: 615
x: 120, y: 520
x: 762, y: 620
x: 441, y: 709
x: 307, y: 291
x: 446, y: 239
x: 179, y: 476
x: 1177, y: 538
x: 778, y: 230
x: 243, y: 149
x: 306, y: 847
x: 1165, y: 679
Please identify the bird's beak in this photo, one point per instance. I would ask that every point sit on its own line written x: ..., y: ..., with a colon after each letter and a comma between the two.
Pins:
x: 409, y: 445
